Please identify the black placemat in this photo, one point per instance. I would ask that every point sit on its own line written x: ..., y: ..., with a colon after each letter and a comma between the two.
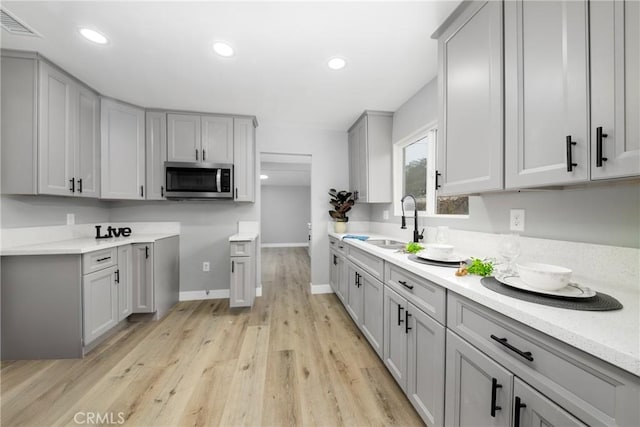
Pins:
x: 599, y: 302
x: 417, y: 259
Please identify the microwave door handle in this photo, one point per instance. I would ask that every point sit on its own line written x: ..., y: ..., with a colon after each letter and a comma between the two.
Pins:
x: 219, y: 180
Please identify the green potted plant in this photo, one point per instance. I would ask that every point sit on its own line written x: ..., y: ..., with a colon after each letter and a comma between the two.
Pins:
x: 342, y: 203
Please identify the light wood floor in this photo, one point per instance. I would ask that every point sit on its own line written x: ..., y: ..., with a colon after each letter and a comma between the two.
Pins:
x: 294, y: 359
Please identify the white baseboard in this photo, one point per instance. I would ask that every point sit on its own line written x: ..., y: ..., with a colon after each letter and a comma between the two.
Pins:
x: 321, y: 289
x: 200, y: 295
x: 285, y: 245
x: 213, y: 294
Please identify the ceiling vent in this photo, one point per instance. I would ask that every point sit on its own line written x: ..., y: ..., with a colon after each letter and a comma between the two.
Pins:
x: 15, y: 26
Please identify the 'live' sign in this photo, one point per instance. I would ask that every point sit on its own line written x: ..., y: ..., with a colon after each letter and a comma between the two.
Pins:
x: 113, y: 232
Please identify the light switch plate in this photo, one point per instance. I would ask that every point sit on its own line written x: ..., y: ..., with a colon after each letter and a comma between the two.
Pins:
x: 517, y: 220
x: 206, y: 266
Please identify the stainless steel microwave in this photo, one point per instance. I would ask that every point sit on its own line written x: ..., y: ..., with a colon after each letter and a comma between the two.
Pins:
x: 185, y: 180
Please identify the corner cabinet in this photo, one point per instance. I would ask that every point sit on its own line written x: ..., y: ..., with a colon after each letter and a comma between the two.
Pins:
x: 615, y: 88
x: 244, y: 159
x: 546, y: 93
x: 370, y: 149
x: 50, y: 130
x: 156, y: 144
x: 242, y: 289
x: 123, y: 150
x: 470, y: 132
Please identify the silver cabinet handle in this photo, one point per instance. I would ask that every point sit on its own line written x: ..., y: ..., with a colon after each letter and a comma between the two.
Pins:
x: 218, y: 179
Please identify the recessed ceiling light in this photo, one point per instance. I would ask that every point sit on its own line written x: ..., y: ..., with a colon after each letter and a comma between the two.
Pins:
x: 94, y: 36
x: 264, y: 176
x: 223, y: 49
x: 337, y: 63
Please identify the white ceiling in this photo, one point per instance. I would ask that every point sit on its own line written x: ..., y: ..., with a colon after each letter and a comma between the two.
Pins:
x: 160, y: 54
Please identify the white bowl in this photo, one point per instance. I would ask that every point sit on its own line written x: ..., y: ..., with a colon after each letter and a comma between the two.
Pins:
x: 438, y: 250
x: 544, y: 276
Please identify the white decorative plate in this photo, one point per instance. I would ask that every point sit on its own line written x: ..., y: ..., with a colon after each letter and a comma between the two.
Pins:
x: 572, y: 290
x: 451, y: 258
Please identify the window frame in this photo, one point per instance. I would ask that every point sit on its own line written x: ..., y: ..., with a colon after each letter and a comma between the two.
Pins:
x: 428, y: 131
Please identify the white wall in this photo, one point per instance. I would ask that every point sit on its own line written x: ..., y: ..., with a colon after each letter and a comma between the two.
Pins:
x: 607, y: 214
x: 285, y: 213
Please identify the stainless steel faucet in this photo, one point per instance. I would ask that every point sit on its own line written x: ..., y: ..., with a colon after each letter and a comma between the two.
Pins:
x: 416, y: 236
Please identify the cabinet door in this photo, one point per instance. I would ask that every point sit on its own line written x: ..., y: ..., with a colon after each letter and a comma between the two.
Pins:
x: 142, y: 279
x: 532, y: 409
x: 244, y: 159
x: 615, y: 88
x: 100, y: 298
x: 125, y: 281
x: 217, y: 139
x: 87, y: 158
x: 354, y: 293
x: 183, y: 138
x: 372, y: 309
x: 546, y: 88
x: 395, y: 336
x: 472, y: 380
x: 354, y: 163
x: 242, y: 282
x: 343, y: 280
x: 334, y: 273
x: 426, y: 364
x: 55, y: 132
x: 156, y: 135
x: 123, y: 151
x: 363, y: 158
x: 470, y: 145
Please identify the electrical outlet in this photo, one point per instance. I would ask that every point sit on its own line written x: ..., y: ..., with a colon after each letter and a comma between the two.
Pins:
x: 517, y: 220
x: 71, y: 219
x: 206, y: 266
x: 385, y: 214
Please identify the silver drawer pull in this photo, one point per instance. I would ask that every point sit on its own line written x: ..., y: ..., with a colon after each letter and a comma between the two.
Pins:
x: 103, y: 259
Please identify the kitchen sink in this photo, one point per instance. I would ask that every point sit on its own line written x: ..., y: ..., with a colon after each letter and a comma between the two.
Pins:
x: 387, y: 243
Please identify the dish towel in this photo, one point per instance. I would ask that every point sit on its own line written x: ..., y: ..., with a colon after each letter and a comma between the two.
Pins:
x: 355, y: 236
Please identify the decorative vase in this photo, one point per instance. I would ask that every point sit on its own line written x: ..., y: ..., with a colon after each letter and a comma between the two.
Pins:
x: 340, y: 227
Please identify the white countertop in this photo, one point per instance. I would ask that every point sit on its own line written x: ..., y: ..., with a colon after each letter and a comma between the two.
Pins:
x: 82, y: 245
x: 243, y: 237
x: 613, y: 336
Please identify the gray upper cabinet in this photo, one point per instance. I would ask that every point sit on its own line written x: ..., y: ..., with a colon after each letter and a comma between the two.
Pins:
x: 156, y: 135
x: 615, y: 88
x: 200, y: 138
x: 370, y: 157
x: 123, y: 150
x: 244, y: 163
x: 69, y: 161
x: 217, y: 139
x: 184, y: 141
x: 546, y: 93
x: 470, y: 86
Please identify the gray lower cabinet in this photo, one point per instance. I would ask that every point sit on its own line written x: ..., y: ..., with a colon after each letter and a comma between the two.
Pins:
x: 337, y: 274
x: 615, y: 88
x: 532, y: 409
x: 414, y: 353
x: 143, y: 278
x: 123, y: 150
x: 354, y: 293
x: 242, y: 287
x: 470, y: 129
x: 124, y: 280
x: 100, y: 303
x: 156, y: 145
x: 478, y: 389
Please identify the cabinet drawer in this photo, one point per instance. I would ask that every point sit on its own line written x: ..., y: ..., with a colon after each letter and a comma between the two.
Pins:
x: 595, y: 392
x: 425, y: 295
x: 241, y: 248
x: 337, y: 244
x: 370, y: 263
x: 98, y: 260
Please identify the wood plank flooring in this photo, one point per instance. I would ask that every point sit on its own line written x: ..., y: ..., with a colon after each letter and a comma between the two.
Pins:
x: 294, y: 359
